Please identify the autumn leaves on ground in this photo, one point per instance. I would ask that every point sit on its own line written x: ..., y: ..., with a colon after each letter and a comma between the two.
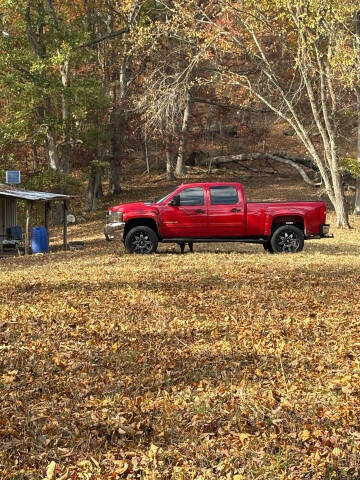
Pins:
x: 229, y: 363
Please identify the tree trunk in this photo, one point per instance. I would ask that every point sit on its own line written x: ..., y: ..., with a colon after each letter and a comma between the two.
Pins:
x: 36, y: 156
x: 118, y: 116
x: 357, y: 194
x: 115, y: 153
x: 180, y: 169
x: 50, y: 146
x: 27, y: 227
x: 115, y: 122
x: 66, y: 113
x: 115, y: 176
x: 170, y: 157
x: 146, y: 155
x: 64, y: 161
x: 65, y: 225
x: 95, y: 177
x: 342, y: 215
x: 169, y: 165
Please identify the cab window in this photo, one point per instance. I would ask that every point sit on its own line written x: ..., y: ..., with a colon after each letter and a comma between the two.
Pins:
x: 223, y: 195
x: 191, y: 196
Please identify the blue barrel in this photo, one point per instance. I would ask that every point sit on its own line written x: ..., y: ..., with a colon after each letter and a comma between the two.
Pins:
x: 39, y: 240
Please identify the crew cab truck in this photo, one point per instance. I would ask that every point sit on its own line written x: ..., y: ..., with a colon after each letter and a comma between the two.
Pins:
x: 216, y: 212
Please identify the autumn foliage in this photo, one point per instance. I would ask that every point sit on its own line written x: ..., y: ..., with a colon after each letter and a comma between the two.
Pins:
x: 228, y: 363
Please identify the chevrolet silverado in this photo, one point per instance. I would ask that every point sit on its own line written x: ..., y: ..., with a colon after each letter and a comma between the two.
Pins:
x: 216, y: 212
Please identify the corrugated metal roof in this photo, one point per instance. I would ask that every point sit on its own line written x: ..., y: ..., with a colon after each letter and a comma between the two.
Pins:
x: 8, y: 191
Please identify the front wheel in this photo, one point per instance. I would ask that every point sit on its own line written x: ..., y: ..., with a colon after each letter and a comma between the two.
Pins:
x: 287, y: 239
x: 267, y: 247
x: 141, y: 240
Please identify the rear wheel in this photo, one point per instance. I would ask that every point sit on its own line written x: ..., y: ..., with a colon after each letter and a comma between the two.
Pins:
x: 287, y: 239
x: 142, y: 240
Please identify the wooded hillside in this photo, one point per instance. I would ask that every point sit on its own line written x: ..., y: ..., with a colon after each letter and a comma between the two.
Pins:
x: 89, y: 86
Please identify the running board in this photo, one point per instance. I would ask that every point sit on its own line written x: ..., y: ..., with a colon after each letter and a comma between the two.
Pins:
x: 213, y: 240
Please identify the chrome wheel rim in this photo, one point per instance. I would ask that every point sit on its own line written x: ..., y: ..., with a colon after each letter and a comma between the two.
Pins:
x: 288, y: 241
x: 141, y: 243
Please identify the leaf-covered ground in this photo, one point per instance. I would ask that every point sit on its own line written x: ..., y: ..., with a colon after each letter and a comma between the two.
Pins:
x: 228, y: 363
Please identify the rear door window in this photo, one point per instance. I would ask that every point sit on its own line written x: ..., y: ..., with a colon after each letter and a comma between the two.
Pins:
x: 223, y: 195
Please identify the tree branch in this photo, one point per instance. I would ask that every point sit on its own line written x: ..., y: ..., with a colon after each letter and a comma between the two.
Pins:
x: 228, y: 105
x: 103, y: 38
x: 262, y: 156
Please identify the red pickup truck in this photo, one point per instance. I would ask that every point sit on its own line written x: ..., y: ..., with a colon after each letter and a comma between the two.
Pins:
x: 216, y: 212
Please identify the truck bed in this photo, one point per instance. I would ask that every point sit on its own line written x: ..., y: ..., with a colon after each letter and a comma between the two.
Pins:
x: 259, y: 212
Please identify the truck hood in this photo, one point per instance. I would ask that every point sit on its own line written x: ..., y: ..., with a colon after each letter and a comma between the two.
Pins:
x: 141, y: 207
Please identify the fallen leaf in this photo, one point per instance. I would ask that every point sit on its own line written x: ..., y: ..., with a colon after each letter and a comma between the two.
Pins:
x: 8, y: 378
x: 336, y: 452
x: 305, y: 435
x: 121, y: 466
x: 50, y: 471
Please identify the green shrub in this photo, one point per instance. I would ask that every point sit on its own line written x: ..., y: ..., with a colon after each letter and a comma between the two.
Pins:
x: 351, y: 165
x: 52, y: 181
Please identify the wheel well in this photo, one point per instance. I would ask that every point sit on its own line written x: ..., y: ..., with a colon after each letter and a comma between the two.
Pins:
x: 295, y: 220
x: 137, y: 222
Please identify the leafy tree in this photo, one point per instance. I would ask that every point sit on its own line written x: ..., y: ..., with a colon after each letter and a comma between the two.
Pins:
x: 282, y: 53
x: 48, y: 94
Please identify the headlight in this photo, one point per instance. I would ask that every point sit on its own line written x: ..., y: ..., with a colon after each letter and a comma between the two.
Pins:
x: 114, y: 217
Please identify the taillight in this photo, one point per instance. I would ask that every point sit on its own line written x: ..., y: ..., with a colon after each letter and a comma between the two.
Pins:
x: 323, y: 214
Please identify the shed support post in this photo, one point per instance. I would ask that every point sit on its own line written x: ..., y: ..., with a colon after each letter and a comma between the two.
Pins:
x: 27, y: 228
x: 46, y: 219
x: 65, y: 210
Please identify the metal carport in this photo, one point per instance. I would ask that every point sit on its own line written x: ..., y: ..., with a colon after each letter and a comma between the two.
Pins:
x: 10, y: 194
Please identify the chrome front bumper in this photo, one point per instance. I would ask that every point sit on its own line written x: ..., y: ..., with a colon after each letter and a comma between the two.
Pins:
x: 113, y: 228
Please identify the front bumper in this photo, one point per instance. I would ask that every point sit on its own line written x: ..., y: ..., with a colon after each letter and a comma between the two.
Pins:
x: 113, y: 228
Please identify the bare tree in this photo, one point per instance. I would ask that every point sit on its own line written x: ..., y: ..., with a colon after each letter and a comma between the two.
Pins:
x: 119, y: 87
x: 293, y: 78
x: 180, y: 161
x: 357, y: 90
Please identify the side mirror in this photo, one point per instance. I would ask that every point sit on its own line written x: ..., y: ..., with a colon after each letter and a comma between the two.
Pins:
x: 175, y: 201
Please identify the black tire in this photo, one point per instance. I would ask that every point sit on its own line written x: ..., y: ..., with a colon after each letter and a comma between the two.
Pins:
x: 141, y: 240
x: 287, y: 239
x: 267, y: 247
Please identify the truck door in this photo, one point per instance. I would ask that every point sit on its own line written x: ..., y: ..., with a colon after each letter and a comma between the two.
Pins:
x: 188, y: 219
x: 226, y: 212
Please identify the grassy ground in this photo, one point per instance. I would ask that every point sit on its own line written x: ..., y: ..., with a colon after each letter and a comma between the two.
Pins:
x: 228, y: 363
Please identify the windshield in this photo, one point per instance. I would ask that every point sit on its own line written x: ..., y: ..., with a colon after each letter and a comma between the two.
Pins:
x: 162, y: 199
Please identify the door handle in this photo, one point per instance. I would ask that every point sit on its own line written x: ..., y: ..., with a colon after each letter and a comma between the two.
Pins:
x: 199, y: 210
x: 235, y: 210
